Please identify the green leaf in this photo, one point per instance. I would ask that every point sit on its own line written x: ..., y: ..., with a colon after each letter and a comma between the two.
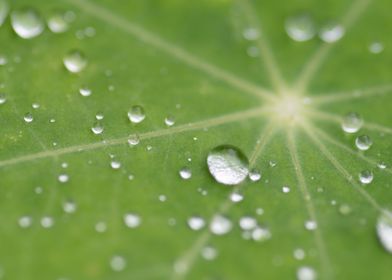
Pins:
x: 281, y: 102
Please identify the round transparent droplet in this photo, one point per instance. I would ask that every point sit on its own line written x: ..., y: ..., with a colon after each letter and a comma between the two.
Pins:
x: 69, y: 206
x: 27, y: 23
x: 236, y: 197
x: 4, y: 9
x: 285, y: 189
x: 384, y: 230
x: 47, y: 222
x: 331, y: 32
x: 352, y: 122
x: 170, y: 120
x: 260, y: 234
x: 220, y: 225
x: 75, y: 61
x: 28, y: 117
x: 133, y: 140
x: 250, y: 34
x: 228, y: 165
x: 209, y: 253
x: 376, y: 47
x: 300, y: 28
x: 382, y: 165
x: 118, y: 263
x: 3, y: 98
x: 363, y: 142
x: 97, y: 128
x: 247, y: 223
x: 366, y: 177
x: 299, y: 254
x: 196, y: 223
x: 311, y: 225
x: 57, y: 22
x: 63, y: 178
x: 306, y: 273
x: 115, y: 164
x: 185, y: 173
x: 85, y: 91
x: 254, y: 175
x: 136, y: 114
x: 132, y: 220
x: 25, y: 221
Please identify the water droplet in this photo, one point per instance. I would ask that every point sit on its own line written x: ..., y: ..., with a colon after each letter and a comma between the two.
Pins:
x: 261, y: 234
x: 285, y: 189
x: 3, y: 98
x: 47, y: 222
x: 28, y: 118
x: 228, y: 165
x: 101, y: 227
x: 247, y: 223
x: 300, y: 28
x: 63, y: 178
x: 254, y: 175
x: 376, y: 47
x: 382, y: 165
x: 162, y: 198
x: 4, y: 9
x: 35, y: 106
x: 311, y: 225
x: 363, y: 142
x: 25, y: 221
x: 384, y: 230
x: 57, y: 22
x: 69, y: 206
x: 170, y: 120
x: 209, y: 253
x: 299, y: 254
x: 133, y: 140
x: 136, y: 114
x: 132, y: 220
x: 118, y: 263
x: 344, y: 209
x: 352, y: 123
x: 196, y: 223
x: 331, y: 32
x: 27, y: 23
x: 250, y: 34
x: 97, y: 128
x: 306, y: 273
x: 114, y: 164
x: 185, y: 173
x: 75, y: 61
x: 366, y: 177
x: 220, y: 225
x: 85, y: 91
x: 236, y: 197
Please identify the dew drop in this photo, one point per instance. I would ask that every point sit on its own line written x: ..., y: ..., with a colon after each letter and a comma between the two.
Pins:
x: 101, y: 227
x: 170, y: 121
x: 261, y: 234
x: 69, y: 206
x: 47, y: 222
x: 75, y: 61
x: 220, y: 225
x: 311, y: 225
x: 254, y: 175
x: 57, y: 22
x: 344, y: 209
x: 306, y: 273
x: 3, y: 98
x: 299, y: 254
x: 97, y: 128
x: 25, y: 221
x: 250, y: 34
x: 136, y: 114
x: 247, y: 223
x: 382, y: 165
x: 376, y: 47
x: 132, y: 220
x: 63, y: 178
x: 28, y: 118
x: 331, y: 32
x: 285, y: 189
x: 366, y: 177
x: 228, y: 165
x: 133, y: 140
x: 300, y: 28
x: 236, y: 197
x: 209, y: 253
x: 4, y: 9
x: 352, y: 122
x: 196, y: 223
x: 384, y: 230
x: 118, y: 263
x: 114, y: 164
x: 3, y: 61
x: 363, y: 142
x: 185, y: 173
x: 99, y: 116
x: 27, y: 23
x: 85, y: 91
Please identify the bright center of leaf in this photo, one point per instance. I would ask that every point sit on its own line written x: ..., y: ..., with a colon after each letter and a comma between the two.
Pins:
x: 288, y: 109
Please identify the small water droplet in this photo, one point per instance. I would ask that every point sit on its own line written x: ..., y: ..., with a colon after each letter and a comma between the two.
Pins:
x: 285, y: 189
x: 366, y: 177
x: 228, y: 165
x: 299, y: 254
x: 254, y: 175
x: 132, y: 220
x: 196, y: 223
x: 363, y: 142
x: 133, y: 140
x: 35, y: 106
x: 85, y: 91
x: 101, y: 227
x: 170, y: 120
x: 4, y: 9
x: 352, y: 122
x: 75, y: 61
x: 114, y: 164
x: 236, y: 197
x: 311, y: 225
x: 69, y: 206
x: 209, y: 253
x: 247, y: 223
x: 382, y: 165
x: 306, y: 273
x: 384, y: 230
x: 331, y: 32
x: 47, y: 222
x: 250, y: 34
x: 27, y: 23
x: 376, y: 47
x: 63, y: 178
x: 345, y: 209
x: 3, y: 98
x: 118, y: 263
x: 136, y: 114
x: 260, y: 234
x: 25, y: 221
x: 97, y: 128
x: 300, y: 28
x: 220, y: 225
x: 57, y: 22
x: 185, y: 173
x: 28, y: 118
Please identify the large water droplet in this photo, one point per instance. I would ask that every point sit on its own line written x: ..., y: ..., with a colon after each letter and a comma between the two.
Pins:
x: 27, y: 23
x: 4, y: 8
x: 300, y: 28
x: 366, y: 177
x: 363, y: 142
x: 352, y: 123
x: 136, y: 114
x: 75, y: 61
x: 228, y: 165
x: 331, y: 32
x: 384, y: 230
x: 220, y: 225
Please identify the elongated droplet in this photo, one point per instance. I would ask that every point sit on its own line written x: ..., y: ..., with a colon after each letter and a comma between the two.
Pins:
x: 363, y: 142
x: 27, y: 23
x: 228, y: 165
x: 384, y: 230
x: 352, y: 123
x: 300, y: 28
x: 4, y: 8
x: 136, y: 114
x: 75, y: 61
